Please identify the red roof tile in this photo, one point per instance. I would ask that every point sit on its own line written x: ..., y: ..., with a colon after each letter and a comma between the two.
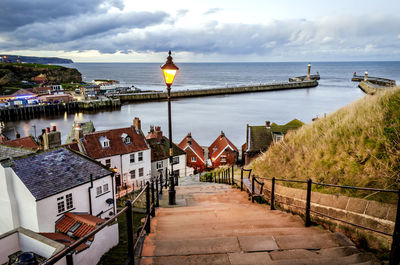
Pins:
x: 87, y: 223
x: 196, y: 148
x: 93, y: 147
x: 219, y: 145
x: 24, y: 142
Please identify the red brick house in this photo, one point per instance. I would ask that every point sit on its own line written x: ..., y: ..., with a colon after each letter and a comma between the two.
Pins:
x: 194, y: 153
x: 222, y: 151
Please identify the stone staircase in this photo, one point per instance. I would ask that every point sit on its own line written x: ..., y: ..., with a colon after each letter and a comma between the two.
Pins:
x: 215, y: 224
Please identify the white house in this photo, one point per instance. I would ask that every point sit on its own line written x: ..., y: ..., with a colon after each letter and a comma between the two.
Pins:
x: 125, y: 150
x: 159, y: 145
x: 39, y: 191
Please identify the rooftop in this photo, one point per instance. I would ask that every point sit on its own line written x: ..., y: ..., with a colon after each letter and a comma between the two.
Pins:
x: 49, y: 173
x: 25, y: 142
x: 7, y: 152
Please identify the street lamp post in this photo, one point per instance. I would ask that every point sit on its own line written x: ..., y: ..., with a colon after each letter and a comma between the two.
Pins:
x: 169, y: 71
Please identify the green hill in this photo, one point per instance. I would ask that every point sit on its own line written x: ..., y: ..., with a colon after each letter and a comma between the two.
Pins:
x: 359, y: 145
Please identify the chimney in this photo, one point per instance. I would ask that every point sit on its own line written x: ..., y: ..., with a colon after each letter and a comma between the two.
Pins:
x: 17, y: 135
x: 159, y: 135
x: 222, y: 134
x: 54, y: 128
x: 308, y: 71
x: 51, y: 139
x: 137, y: 123
x: 78, y: 133
x: 189, y: 136
x: 268, y: 124
x: 366, y: 76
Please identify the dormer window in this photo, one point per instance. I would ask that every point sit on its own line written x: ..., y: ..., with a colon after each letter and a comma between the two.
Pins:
x: 105, y: 143
x: 126, y: 138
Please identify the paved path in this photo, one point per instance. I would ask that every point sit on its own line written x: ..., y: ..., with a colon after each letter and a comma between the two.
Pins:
x: 214, y: 224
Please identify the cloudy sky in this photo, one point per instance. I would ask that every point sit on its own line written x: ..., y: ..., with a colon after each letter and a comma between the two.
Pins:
x: 201, y: 31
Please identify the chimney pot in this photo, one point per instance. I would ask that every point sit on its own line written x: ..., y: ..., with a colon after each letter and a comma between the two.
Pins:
x: 17, y: 135
x: 48, y: 129
x: 54, y: 128
x: 268, y: 124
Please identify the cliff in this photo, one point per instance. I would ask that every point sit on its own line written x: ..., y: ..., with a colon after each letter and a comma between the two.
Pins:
x: 356, y: 146
x: 33, y: 59
x: 15, y: 73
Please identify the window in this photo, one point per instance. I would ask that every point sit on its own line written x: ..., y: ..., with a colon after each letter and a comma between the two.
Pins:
x: 126, y: 138
x: 159, y: 164
x: 105, y: 188
x: 223, y: 159
x: 194, y: 159
x: 108, y: 162
x: 70, y: 204
x: 132, y: 158
x: 278, y: 138
x: 133, y: 174
x: 141, y: 172
x: 106, y: 144
x: 175, y: 160
x: 140, y: 156
x: 99, y: 190
x: 61, y: 203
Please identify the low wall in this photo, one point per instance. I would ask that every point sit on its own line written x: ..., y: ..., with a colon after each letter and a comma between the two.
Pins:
x: 217, y: 91
x: 367, y: 213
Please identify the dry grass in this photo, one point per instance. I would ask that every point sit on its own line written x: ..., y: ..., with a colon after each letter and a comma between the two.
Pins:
x: 359, y: 145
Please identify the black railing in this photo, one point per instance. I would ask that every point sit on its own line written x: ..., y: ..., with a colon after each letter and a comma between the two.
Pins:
x: 224, y: 176
x: 152, y: 201
x: 395, y: 248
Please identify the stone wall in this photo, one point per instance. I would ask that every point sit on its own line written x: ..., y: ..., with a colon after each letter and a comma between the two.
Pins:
x: 367, y: 213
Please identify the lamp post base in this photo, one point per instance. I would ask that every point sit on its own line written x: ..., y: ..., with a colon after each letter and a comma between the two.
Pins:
x: 171, y: 197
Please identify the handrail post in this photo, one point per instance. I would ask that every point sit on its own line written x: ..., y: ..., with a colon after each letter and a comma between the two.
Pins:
x: 131, y: 255
x: 153, y: 210
x: 273, y: 194
x: 219, y: 177
x: 157, y: 194
x: 166, y: 177
x: 308, y: 203
x: 228, y: 176
x: 252, y: 188
x: 395, y: 249
x: 69, y: 259
x: 233, y: 180
x: 147, y: 226
x: 161, y: 183
x: 241, y: 180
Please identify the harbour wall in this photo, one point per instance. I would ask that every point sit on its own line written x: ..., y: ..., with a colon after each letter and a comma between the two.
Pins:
x: 215, y: 91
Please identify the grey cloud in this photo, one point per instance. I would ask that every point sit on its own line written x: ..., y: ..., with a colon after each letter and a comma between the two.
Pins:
x: 328, y: 38
x: 17, y: 13
x: 212, y: 11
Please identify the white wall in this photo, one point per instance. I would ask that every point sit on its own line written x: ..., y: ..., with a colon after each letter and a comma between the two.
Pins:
x: 27, y: 244
x: 48, y: 212
x: 103, y: 241
x: 181, y: 166
x: 8, y: 207
x: 8, y: 246
x: 99, y: 205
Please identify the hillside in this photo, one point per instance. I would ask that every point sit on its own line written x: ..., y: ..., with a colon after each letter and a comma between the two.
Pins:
x: 12, y: 73
x: 34, y: 59
x: 359, y: 145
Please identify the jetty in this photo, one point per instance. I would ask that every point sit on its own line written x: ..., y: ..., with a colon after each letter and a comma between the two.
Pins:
x: 34, y: 111
x: 374, y: 80
x: 137, y: 97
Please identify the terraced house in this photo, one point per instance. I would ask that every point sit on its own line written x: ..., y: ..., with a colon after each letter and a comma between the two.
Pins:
x: 124, y: 150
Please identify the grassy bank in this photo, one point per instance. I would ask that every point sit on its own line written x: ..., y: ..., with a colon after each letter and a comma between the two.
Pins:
x: 359, y: 145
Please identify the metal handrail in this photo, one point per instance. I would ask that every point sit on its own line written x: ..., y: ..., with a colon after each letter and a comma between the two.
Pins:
x: 68, y: 250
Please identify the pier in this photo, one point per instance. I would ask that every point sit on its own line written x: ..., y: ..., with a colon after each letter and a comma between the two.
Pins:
x: 137, y: 97
x: 374, y: 80
x: 36, y: 111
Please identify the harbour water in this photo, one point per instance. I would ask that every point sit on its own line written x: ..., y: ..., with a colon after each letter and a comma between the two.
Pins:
x: 205, y: 117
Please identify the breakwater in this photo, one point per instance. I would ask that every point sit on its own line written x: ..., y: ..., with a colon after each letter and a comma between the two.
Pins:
x: 215, y: 91
x: 36, y: 111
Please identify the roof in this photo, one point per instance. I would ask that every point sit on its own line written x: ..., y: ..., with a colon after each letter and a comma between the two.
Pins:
x: 220, y: 144
x: 291, y: 125
x: 193, y: 145
x: 7, y: 152
x: 87, y: 223
x: 160, y: 150
x: 49, y: 173
x: 25, y: 142
x: 94, y: 149
x: 260, y: 137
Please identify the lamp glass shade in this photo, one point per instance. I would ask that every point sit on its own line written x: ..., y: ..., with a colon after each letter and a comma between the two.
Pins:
x: 169, y: 75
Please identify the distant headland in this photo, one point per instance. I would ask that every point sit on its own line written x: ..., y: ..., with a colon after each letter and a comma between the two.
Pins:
x: 34, y: 59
